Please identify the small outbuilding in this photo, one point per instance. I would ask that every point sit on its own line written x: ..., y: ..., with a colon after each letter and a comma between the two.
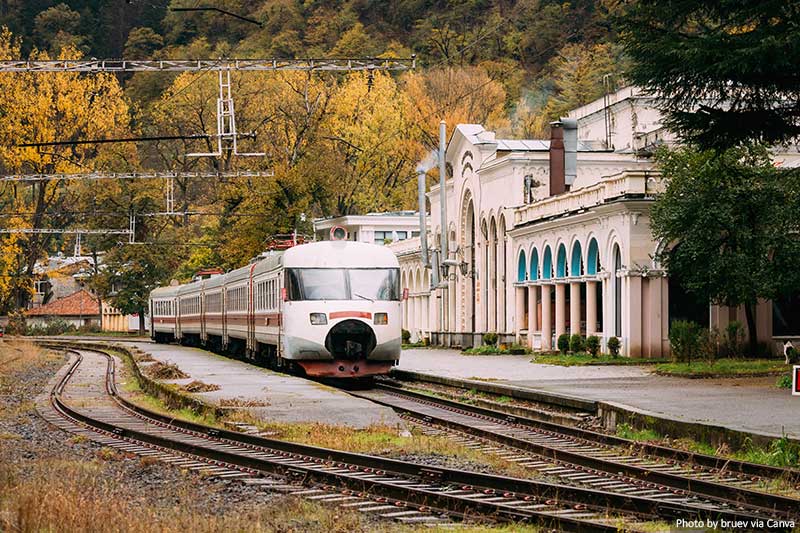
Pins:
x: 79, y: 309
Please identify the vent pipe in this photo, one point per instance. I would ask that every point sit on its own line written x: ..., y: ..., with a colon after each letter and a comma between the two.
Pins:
x: 423, y: 224
x: 570, y: 128
x: 442, y: 181
x: 557, y: 175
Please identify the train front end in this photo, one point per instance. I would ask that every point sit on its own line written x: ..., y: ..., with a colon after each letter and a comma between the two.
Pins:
x: 341, y: 309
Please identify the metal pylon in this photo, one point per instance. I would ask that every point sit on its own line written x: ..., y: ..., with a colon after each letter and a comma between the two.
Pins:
x: 227, y: 135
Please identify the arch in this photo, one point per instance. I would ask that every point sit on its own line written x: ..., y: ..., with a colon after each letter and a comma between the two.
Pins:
x: 547, y: 263
x: 576, y: 260
x: 561, y: 261
x: 534, y: 273
x: 522, y: 267
x: 593, y: 258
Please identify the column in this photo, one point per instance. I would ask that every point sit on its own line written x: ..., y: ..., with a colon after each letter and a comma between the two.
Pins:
x: 574, y: 308
x: 501, y: 296
x: 633, y: 316
x: 491, y: 287
x: 417, y: 314
x: 410, y: 323
x: 519, y: 310
x: 654, y: 349
x: 591, y: 308
x: 404, y: 309
x: 561, y: 310
x: 532, y: 310
x: 547, y: 321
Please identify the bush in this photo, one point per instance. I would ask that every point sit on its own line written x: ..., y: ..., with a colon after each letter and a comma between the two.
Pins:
x: 576, y: 344
x: 16, y: 324
x: 685, y: 340
x: 90, y: 328
x: 784, y: 382
x: 490, y: 339
x: 708, y: 344
x: 593, y: 345
x: 563, y: 343
x: 517, y: 349
x: 613, y: 346
x: 406, y: 336
x: 734, y: 339
x: 793, y: 355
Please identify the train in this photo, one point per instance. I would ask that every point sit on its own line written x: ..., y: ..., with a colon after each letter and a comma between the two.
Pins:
x: 328, y: 309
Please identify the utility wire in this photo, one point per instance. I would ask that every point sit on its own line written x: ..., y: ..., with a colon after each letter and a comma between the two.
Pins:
x: 218, y: 10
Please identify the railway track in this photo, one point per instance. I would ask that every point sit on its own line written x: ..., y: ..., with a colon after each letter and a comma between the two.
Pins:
x: 394, y: 489
x: 594, y: 460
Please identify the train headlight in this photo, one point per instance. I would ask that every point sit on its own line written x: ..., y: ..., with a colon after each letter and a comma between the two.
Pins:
x: 380, y: 319
x: 318, y: 319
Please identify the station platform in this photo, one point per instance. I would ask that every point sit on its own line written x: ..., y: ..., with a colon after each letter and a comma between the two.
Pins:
x: 752, y: 405
x: 271, y: 396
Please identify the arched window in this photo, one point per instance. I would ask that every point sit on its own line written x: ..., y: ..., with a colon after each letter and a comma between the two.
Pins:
x: 576, y: 260
x: 547, y: 264
x: 561, y: 261
x: 522, y: 267
x: 534, y: 275
x: 593, y: 261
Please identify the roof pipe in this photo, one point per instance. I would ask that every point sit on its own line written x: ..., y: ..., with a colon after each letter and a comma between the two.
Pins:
x: 442, y: 181
x: 423, y: 223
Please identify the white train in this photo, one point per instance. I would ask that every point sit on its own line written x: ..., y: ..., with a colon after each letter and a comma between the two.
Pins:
x: 330, y: 308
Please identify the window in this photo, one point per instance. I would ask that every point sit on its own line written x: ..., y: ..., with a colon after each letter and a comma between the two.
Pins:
x: 382, y: 237
x: 402, y: 235
x: 414, y: 234
x: 343, y: 284
x: 42, y: 287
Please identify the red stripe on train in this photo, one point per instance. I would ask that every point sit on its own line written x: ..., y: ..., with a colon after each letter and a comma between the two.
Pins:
x: 350, y: 314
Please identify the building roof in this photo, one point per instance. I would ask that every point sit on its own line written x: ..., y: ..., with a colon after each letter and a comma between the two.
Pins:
x: 76, y: 304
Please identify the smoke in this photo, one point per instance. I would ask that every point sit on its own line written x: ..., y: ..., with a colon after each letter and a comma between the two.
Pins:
x: 428, y: 162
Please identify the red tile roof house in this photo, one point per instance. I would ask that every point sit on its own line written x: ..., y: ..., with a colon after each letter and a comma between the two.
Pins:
x: 79, y: 309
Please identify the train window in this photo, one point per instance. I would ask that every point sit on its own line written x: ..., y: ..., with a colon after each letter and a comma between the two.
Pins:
x: 341, y: 284
x: 375, y: 284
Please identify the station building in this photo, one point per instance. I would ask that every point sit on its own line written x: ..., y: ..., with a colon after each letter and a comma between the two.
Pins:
x: 374, y: 228
x: 553, y: 236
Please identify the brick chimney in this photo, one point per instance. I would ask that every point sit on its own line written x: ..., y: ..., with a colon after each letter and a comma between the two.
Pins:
x: 557, y: 170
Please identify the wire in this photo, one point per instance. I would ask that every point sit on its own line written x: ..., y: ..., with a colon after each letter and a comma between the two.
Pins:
x: 121, y: 140
x: 218, y: 10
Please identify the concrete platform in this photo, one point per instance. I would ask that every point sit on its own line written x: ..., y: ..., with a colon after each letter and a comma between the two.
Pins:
x: 285, y: 398
x: 751, y: 405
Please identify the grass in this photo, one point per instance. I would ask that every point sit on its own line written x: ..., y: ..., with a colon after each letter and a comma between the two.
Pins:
x: 17, y: 355
x: 490, y: 349
x: 723, y: 368
x: 781, y: 452
x: 89, y: 496
x: 585, y: 359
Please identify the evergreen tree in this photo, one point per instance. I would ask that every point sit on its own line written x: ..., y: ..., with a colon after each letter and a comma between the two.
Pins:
x: 726, y: 69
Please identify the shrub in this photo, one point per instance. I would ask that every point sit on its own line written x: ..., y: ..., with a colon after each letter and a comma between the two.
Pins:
x: 563, y: 343
x: 406, y: 336
x: 576, y: 344
x: 517, y: 349
x: 613, y: 345
x: 784, y: 382
x: 708, y: 343
x: 490, y: 339
x: 16, y: 324
x: 90, y: 328
x: 734, y: 339
x: 793, y: 355
x: 593, y: 345
x: 684, y: 339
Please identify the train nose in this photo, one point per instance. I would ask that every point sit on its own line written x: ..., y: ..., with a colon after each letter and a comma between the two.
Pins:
x: 350, y: 339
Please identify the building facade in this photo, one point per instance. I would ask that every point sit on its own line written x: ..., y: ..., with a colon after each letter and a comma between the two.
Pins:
x: 553, y: 237
x: 375, y: 228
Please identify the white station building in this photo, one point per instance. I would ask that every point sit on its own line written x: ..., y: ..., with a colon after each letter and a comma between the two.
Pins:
x: 553, y: 236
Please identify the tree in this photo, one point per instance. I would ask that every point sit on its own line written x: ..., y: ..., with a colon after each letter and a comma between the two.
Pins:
x: 56, y: 107
x: 57, y: 27
x: 141, y: 43
x: 730, y: 222
x: 726, y: 70
x: 129, y: 274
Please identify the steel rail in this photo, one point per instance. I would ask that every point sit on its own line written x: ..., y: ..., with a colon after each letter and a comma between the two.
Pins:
x: 604, y: 499
x: 707, y: 461
x: 754, y: 500
x: 444, y: 502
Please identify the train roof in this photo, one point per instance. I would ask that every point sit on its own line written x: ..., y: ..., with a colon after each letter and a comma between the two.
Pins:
x: 165, y: 292
x: 340, y: 254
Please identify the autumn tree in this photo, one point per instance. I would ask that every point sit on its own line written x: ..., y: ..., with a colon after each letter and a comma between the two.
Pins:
x: 55, y: 107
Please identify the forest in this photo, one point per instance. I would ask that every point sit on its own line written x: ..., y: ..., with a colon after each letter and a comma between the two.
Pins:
x: 335, y: 143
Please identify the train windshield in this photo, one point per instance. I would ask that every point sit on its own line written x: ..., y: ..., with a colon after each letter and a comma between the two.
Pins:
x: 343, y: 284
